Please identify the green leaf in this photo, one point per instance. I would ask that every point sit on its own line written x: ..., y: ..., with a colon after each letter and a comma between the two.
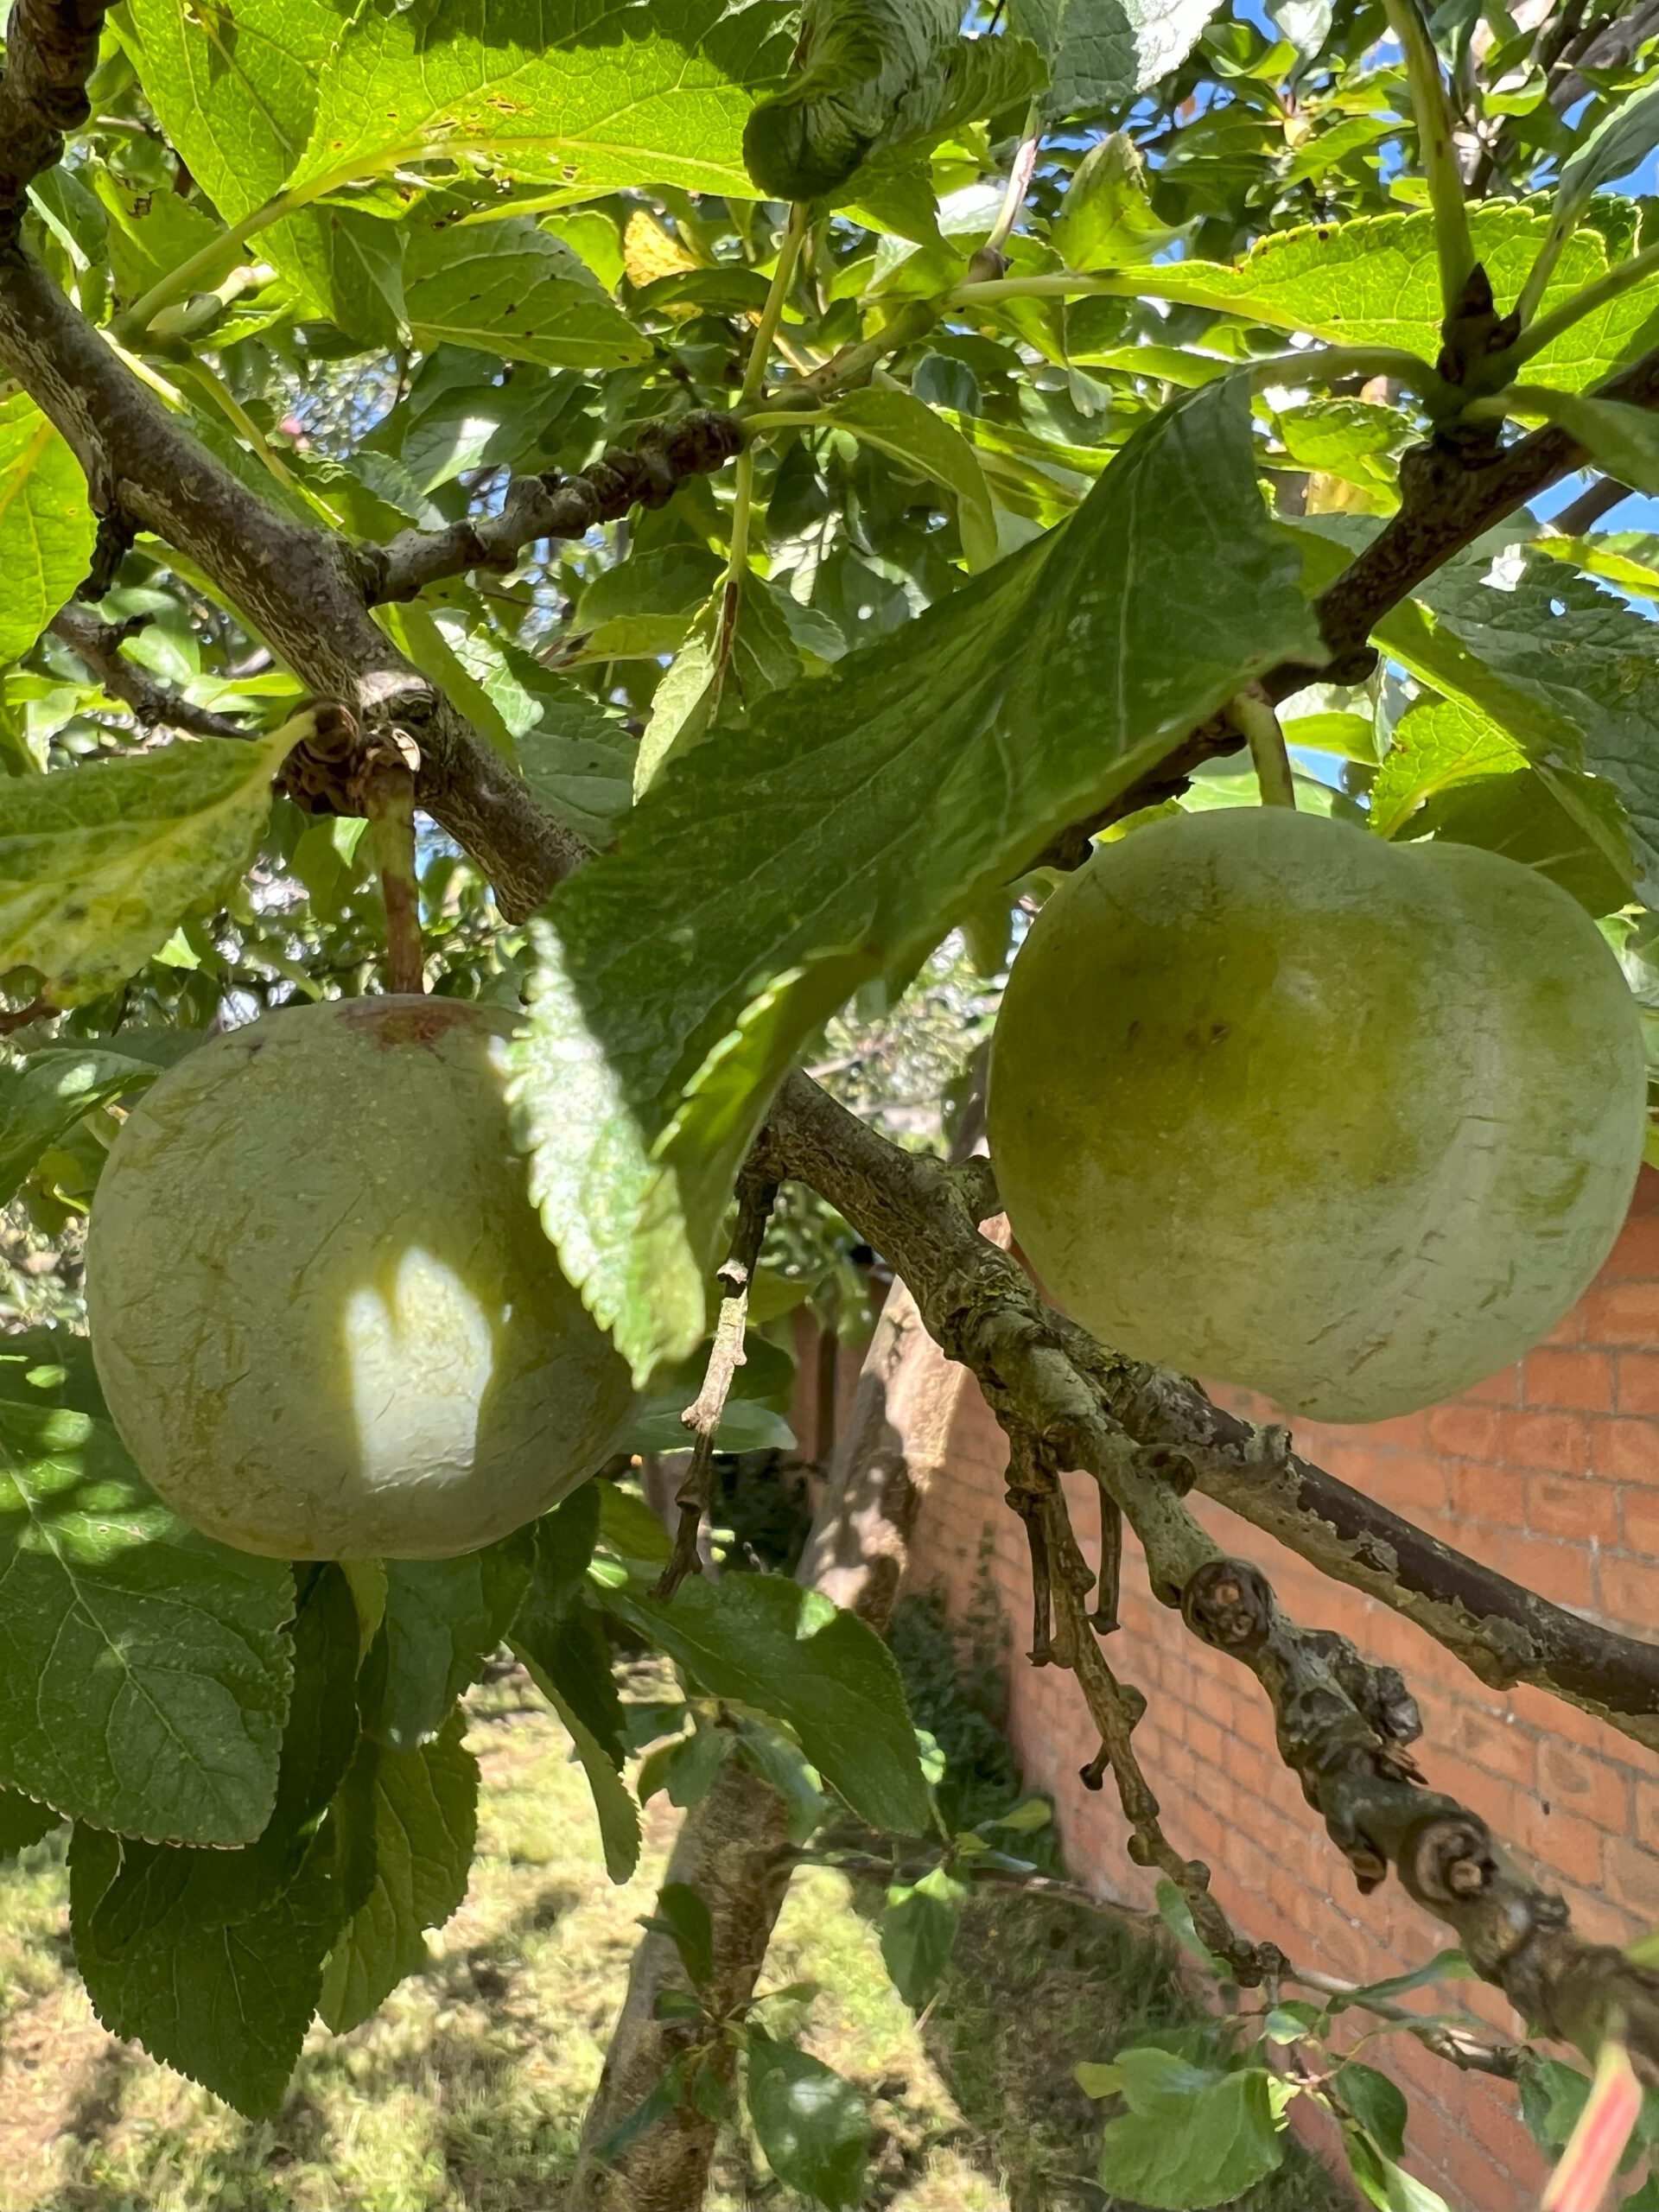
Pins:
x: 1192, y: 2136
x: 558, y: 93
x: 1624, y: 440
x: 686, y: 1768
x: 1102, y: 52
x: 1553, y: 2095
x: 50, y: 1367
x: 22, y: 1822
x: 143, y: 1677
x: 1355, y: 439
x: 1177, y: 1916
x: 813, y: 2126
x: 619, y: 1817
x: 685, y: 1916
x: 761, y: 1641
x: 1445, y: 1965
x: 213, y: 1958
x: 234, y: 88
x: 443, y: 1618
x: 702, y: 693
x: 881, y: 81
x: 558, y: 1635
x: 222, y: 1992
x: 1289, y: 2022
x: 42, y: 1097
x: 345, y: 266
x: 578, y: 758
x: 1619, y: 143
x: 510, y: 288
x: 856, y: 818
x: 909, y: 430
x: 1570, y: 671
x: 434, y: 639
x: 917, y: 1930
x: 772, y: 1754
x: 99, y: 865
x: 561, y: 1641
x: 1375, y: 2102
x: 1375, y: 281
x: 1106, y: 219
x: 1384, y: 2184
x: 408, y: 1823
x: 46, y: 526
x: 1453, y: 772
x: 645, y: 606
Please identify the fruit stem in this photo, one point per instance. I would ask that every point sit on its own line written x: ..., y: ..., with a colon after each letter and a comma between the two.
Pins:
x: 389, y: 801
x: 1252, y: 714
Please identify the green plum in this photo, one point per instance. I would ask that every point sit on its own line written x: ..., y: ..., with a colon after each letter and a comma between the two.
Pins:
x: 325, y: 1315
x: 1280, y: 1104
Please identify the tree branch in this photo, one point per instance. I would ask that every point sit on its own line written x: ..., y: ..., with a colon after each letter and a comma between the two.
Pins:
x: 98, y: 644
x: 299, y: 586
x: 663, y: 456
x: 922, y: 1216
x: 1342, y: 1725
x: 51, y: 51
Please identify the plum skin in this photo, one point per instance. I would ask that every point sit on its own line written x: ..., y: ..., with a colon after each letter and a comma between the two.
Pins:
x: 324, y: 1313
x: 1281, y: 1105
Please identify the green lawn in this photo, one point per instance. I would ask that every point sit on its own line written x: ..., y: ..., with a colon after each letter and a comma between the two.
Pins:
x: 467, y: 2090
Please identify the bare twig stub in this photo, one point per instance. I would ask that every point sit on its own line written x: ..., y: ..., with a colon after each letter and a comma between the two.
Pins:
x: 708, y: 1410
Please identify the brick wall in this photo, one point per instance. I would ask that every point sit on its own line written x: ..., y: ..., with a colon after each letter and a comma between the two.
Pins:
x: 1550, y: 1471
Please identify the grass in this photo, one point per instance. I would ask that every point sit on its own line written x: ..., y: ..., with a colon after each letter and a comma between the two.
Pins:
x: 467, y: 2090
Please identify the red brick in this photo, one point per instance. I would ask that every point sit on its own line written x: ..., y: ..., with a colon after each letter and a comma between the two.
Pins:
x: 1630, y: 1877
x: 1467, y: 1432
x: 1477, y: 2181
x: 1586, y: 1786
x: 1557, y: 1506
x: 1506, y: 1752
x: 1639, y: 1512
x: 1559, y: 1443
x: 1411, y: 1483
x: 1560, y: 1838
x: 1502, y: 1389
x: 1582, y: 1381
x: 1625, y: 1451
x: 1598, y: 1920
x: 1621, y: 1313
x: 1636, y: 1256
x: 1638, y: 1381
x: 1483, y: 1493
x: 1569, y: 1330
x: 1630, y: 1592
x: 1558, y: 1571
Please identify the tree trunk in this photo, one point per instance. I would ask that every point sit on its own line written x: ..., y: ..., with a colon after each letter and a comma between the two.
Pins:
x: 732, y: 1844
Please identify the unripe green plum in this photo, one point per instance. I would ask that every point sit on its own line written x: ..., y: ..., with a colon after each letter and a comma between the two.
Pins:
x: 325, y: 1315
x: 1277, y: 1104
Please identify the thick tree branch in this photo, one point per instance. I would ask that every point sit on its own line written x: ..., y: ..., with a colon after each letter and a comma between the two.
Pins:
x: 297, y: 586
x: 153, y: 704
x: 1342, y: 1725
x: 918, y: 1214
x: 51, y: 51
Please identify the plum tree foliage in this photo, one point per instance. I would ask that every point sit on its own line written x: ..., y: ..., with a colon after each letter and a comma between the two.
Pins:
x: 697, y: 505
x: 1250, y: 1120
